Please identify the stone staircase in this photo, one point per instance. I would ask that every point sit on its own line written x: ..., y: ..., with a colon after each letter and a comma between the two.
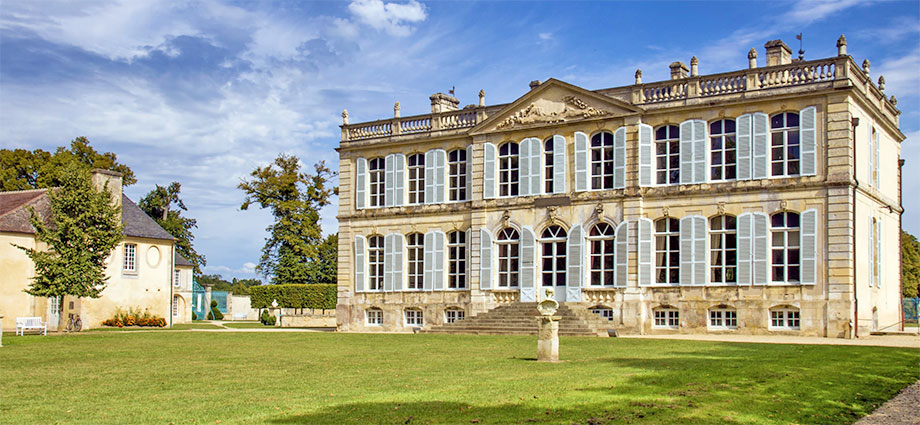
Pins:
x: 521, y: 319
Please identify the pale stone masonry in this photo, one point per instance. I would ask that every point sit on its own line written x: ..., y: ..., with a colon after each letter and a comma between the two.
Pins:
x: 765, y: 200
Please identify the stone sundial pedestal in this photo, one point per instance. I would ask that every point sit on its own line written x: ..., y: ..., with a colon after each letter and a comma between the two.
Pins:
x: 548, y: 329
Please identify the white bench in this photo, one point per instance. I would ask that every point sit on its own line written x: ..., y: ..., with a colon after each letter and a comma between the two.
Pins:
x: 23, y: 323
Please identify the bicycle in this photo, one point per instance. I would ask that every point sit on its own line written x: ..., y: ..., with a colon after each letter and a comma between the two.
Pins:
x: 74, y: 325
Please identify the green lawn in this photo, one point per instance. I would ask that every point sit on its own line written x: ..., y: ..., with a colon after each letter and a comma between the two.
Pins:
x: 246, y: 325
x: 328, y: 378
x: 176, y: 327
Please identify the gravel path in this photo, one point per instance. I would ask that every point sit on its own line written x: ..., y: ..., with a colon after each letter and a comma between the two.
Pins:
x: 903, y: 409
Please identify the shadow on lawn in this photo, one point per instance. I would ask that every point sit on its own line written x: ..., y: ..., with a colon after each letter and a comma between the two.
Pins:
x: 456, y: 413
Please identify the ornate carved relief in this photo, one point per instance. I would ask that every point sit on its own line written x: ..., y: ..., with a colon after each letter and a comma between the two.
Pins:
x: 574, y: 108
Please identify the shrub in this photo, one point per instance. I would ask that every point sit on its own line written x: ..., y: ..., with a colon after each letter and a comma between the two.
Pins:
x: 215, y: 313
x: 194, y: 316
x: 322, y: 296
x: 267, y: 319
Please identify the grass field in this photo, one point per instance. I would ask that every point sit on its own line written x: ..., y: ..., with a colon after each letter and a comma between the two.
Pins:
x: 246, y: 325
x: 327, y: 378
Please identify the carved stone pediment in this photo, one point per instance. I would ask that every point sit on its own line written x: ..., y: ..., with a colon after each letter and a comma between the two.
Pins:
x: 543, y: 111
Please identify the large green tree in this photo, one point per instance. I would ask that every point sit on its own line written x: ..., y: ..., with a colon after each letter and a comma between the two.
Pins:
x: 910, y: 266
x: 84, y: 226
x: 22, y: 169
x: 294, y: 248
x: 157, y: 204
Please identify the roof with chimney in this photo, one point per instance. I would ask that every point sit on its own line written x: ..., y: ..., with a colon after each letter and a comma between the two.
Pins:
x: 15, y: 207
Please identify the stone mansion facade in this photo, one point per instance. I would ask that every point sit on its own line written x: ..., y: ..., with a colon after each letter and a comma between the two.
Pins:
x: 765, y: 200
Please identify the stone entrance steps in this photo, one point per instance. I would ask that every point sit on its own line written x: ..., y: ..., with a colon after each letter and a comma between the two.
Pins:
x: 521, y: 319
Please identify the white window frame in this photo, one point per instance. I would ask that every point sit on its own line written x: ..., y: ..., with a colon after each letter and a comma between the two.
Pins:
x: 603, y: 311
x: 416, y: 177
x: 670, y: 249
x: 553, y: 247
x: 452, y: 315
x: 509, y: 240
x: 791, y: 242
x: 721, y: 136
x: 375, y: 271
x: 175, y: 305
x: 605, y: 241
x: 669, y: 139
x: 600, y: 149
x: 457, y: 175
x: 373, y: 317
x: 785, y: 318
x: 413, y: 317
x: 724, y: 234
x: 177, y: 278
x: 509, y: 170
x: 376, y: 178
x: 548, y: 165
x: 666, y: 318
x: 723, y: 318
x: 130, y: 258
x: 457, y: 277
x: 415, y: 262
x: 784, y: 132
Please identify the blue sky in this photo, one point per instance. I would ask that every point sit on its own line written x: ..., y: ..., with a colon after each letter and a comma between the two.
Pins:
x: 202, y: 92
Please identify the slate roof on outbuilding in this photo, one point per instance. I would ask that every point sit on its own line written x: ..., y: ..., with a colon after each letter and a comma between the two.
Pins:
x: 182, y: 261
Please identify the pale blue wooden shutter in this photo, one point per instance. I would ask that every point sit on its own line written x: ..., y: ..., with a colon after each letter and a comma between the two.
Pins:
x: 536, y: 166
x: 528, y: 265
x: 622, y: 254
x: 700, y: 149
x: 485, y: 259
x: 581, y: 161
x: 807, y: 139
x: 360, y: 263
x: 686, y: 248
x: 399, y: 186
x: 576, y: 263
x: 876, y: 158
x: 686, y: 156
x: 619, y: 158
x: 760, y: 247
x: 760, y: 145
x: 870, y: 181
x: 469, y: 174
x: 646, y: 252
x: 469, y: 258
x: 389, y: 263
x: 439, y: 245
x: 389, y: 181
x: 809, y: 245
x: 430, y: 171
x: 428, y: 266
x: 646, y: 155
x: 559, y: 164
x: 524, y: 168
x: 489, y: 185
x: 360, y: 183
x: 399, y: 263
x: 880, y: 249
x: 743, y: 147
x: 744, y: 254
x: 440, y: 176
x: 699, y: 251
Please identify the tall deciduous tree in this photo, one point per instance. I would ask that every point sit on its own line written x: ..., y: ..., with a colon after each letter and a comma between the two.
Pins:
x: 85, y: 225
x: 910, y: 266
x: 157, y: 205
x: 292, y: 252
x: 21, y: 169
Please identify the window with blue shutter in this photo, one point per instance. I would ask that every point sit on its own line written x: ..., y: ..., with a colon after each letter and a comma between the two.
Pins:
x: 581, y: 161
x: 360, y: 183
x: 646, y: 155
x: 576, y: 263
x: 619, y: 158
x: 744, y: 136
x: 559, y: 164
x: 489, y: 181
x: 622, y: 254
x: 360, y: 263
x: 759, y: 145
x: 646, y: 251
x: 528, y: 265
x: 485, y: 259
x: 808, y: 141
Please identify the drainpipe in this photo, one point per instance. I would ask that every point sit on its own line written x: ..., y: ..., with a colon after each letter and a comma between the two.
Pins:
x: 900, y: 252
x: 855, y: 123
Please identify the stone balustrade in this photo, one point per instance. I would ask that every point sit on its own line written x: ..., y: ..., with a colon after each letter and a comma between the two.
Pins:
x: 416, y: 124
x: 505, y: 297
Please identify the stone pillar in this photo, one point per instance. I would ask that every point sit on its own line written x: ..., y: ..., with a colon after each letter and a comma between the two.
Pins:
x: 842, y: 46
x: 778, y: 53
x: 752, y: 58
x: 548, y: 339
x: 679, y: 70
x: 207, y: 301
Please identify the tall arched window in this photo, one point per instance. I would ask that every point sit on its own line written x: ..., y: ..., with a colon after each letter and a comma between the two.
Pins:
x: 417, y: 178
x: 667, y: 251
x: 375, y: 263
x: 375, y: 171
x: 784, y: 144
x: 415, y: 248
x: 552, y: 244
x: 548, y: 165
x: 601, y: 238
x: 785, y: 237
x: 456, y: 257
x: 723, y: 249
x: 722, y: 150
x: 602, y: 160
x: 667, y: 155
x: 508, y: 171
x: 457, y: 173
x: 508, y: 242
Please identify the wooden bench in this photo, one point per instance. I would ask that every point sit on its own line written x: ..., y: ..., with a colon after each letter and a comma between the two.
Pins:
x: 23, y: 323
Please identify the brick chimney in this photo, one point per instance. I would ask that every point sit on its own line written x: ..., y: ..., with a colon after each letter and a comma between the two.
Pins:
x: 110, y: 180
x: 778, y: 53
x: 441, y: 102
x: 679, y: 70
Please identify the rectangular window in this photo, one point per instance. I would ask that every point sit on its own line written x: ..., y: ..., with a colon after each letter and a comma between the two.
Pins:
x: 130, y: 264
x: 456, y: 248
x: 415, y: 245
x: 723, y: 319
x: 175, y: 306
x: 457, y: 173
x: 606, y: 313
x: 376, y: 168
x: 784, y: 319
x: 417, y: 179
x: 453, y: 315
x: 413, y: 317
x: 667, y: 318
x: 176, y: 278
x: 374, y: 317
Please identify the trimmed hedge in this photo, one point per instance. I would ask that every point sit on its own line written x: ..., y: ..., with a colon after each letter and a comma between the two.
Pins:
x: 315, y: 295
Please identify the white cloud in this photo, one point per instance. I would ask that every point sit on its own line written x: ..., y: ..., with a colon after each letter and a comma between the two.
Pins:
x: 394, y: 18
x: 545, y: 36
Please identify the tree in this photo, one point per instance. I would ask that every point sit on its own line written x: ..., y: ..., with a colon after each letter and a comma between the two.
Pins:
x: 157, y: 205
x: 292, y: 252
x: 21, y: 169
x: 910, y: 274
x: 84, y: 226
